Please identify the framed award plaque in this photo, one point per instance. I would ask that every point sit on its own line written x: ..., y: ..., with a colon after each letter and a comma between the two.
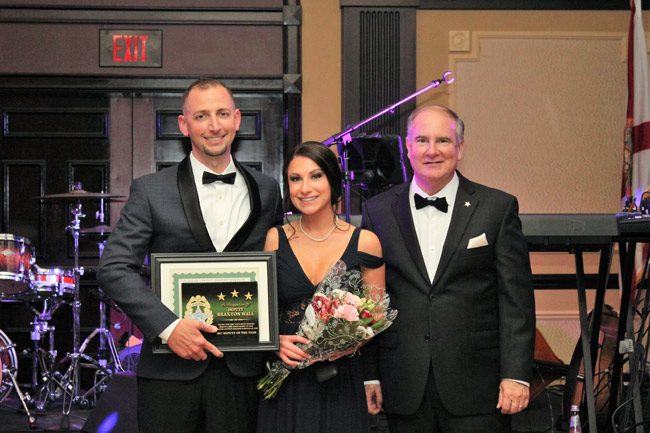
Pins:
x: 236, y: 292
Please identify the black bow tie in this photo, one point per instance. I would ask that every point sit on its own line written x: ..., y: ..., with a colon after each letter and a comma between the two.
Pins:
x: 439, y: 203
x: 225, y: 178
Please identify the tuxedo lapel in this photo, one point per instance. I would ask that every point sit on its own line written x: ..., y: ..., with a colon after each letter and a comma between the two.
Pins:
x: 464, y: 208
x: 240, y: 237
x: 192, y: 206
x: 402, y: 213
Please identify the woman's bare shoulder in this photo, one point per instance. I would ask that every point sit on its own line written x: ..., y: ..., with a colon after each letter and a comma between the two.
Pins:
x: 369, y: 243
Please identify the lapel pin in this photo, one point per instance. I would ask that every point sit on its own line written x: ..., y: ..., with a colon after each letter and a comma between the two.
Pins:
x: 467, y: 204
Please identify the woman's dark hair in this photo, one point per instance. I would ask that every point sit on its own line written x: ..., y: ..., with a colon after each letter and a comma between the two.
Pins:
x: 325, y: 159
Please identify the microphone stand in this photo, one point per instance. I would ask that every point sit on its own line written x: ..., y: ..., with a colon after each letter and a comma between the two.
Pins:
x: 343, y: 138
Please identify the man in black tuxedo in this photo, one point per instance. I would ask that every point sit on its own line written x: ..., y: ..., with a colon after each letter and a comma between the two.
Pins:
x: 209, y: 202
x: 459, y: 356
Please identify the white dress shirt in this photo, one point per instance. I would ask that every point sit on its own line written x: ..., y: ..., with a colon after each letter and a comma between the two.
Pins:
x: 225, y: 207
x: 432, y: 225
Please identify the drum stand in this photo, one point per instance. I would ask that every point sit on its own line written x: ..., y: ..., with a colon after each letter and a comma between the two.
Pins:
x: 69, y: 382
x: 23, y: 398
x: 45, y: 360
x: 103, y: 374
x: 40, y: 326
x: 103, y: 331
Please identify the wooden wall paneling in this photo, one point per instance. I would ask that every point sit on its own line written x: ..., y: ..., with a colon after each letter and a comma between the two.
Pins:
x: 149, y: 4
x: 251, y: 125
x: 144, y: 129
x: 54, y: 129
x: 261, y: 141
x: 136, y: 14
x: 55, y: 122
x: 170, y: 146
x: 499, y: 4
x: 529, y: 4
x: 188, y: 40
x: 292, y: 120
x: 121, y: 158
x: 537, y: 126
x: 21, y: 215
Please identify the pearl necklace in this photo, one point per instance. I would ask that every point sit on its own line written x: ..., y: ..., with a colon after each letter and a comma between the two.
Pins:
x: 323, y: 239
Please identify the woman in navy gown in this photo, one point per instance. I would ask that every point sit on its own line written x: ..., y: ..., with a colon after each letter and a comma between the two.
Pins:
x: 328, y: 396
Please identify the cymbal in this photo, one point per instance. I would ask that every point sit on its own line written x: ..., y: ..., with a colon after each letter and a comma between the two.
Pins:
x: 79, y: 194
x: 100, y: 229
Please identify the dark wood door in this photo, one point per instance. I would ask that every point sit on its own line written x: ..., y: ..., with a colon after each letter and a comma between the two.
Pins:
x: 49, y: 142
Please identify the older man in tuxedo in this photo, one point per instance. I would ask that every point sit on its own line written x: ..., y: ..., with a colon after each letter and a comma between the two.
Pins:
x: 458, y: 359
x: 209, y: 202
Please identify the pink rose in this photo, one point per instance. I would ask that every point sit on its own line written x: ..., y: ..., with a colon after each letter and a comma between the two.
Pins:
x: 351, y: 299
x: 347, y: 312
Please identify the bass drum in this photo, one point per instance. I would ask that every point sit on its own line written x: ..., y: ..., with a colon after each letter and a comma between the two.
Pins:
x: 8, y: 362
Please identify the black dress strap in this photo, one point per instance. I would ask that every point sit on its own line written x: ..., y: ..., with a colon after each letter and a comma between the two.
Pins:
x: 365, y: 259
x: 282, y: 237
x: 370, y: 261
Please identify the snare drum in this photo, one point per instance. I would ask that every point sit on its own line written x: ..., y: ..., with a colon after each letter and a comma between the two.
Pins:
x: 53, y: 282
x: 16, y: 259
x: 8, y: 362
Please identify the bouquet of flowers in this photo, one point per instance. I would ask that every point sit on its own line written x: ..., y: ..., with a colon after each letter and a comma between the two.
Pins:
x: 343, y: 314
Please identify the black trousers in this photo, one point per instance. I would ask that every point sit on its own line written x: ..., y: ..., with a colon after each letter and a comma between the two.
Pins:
x: 432, y: 417
x: 215, y: 402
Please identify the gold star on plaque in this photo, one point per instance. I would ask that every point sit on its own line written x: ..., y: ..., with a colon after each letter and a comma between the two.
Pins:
x: 221, y: 297
x: 234, y: 294
x: 467, y: 204
x: 248, y: 297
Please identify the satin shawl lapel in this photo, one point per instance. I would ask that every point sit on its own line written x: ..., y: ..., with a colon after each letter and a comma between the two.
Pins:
x: 237, y: 242
x: 402, y: 213
x: 192, y: 206
x: 460, y: 217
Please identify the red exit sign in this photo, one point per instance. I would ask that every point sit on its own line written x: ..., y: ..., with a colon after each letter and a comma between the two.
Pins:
x: 130, y: 48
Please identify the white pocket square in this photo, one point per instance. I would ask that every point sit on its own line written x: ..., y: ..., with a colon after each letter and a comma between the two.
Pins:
x: 477, y: 242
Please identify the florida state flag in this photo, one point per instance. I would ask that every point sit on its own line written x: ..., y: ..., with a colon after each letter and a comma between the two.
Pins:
x: 636, y: 168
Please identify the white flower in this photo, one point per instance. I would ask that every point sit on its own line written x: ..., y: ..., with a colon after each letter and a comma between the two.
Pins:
x: 310, y: 316
x: 365, y: 332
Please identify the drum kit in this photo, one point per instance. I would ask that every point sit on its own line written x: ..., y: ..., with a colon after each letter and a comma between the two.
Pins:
x: 43, y: 290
